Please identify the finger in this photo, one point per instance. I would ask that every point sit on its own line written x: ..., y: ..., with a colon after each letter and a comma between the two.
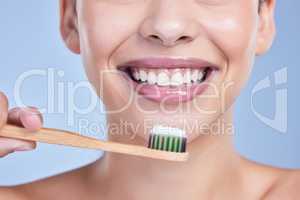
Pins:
x: 28, y: 117
x: 3, y: 109
x: 8, y: 146
x: 14, y: 116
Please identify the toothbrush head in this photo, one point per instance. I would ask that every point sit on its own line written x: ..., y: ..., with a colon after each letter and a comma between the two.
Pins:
x: 167, y: 139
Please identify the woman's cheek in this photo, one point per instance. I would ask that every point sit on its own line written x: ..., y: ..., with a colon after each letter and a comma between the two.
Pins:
x: 236, y: 39
x: 100, y: 40
x: 106, y: 27
x: 233, y: 35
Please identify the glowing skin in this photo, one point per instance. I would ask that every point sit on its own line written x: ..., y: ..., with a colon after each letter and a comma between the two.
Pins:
x: 206, y: 30
x: 108, y: 33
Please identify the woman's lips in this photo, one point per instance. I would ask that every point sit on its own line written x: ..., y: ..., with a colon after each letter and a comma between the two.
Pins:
x: 170, y: 92
x: 168, y: 63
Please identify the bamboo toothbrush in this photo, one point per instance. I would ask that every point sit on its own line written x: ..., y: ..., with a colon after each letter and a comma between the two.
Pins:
x: 165, y: 143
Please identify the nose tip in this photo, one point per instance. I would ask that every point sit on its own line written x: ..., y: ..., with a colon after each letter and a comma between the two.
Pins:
x: 169, y: 40
x: 168, y: 30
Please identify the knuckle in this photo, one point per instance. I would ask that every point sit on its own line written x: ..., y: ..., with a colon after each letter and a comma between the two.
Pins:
x: 15, y: 110
x: 3, y: 98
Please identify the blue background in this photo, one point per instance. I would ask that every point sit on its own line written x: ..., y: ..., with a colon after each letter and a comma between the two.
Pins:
x: 29, y: 39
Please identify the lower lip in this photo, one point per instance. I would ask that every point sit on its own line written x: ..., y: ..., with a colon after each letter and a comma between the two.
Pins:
x: 174, y: 94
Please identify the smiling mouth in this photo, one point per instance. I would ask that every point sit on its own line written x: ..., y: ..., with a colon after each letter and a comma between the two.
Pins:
x: 169, y: 80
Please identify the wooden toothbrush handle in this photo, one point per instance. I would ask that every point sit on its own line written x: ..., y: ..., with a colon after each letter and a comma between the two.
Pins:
x: 67, y: 138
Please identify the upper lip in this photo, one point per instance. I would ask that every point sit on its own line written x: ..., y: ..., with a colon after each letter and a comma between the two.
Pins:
x: 168, y: 63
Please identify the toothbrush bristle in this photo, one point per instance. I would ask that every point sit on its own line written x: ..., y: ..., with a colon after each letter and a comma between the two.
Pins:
x: 167, y: 139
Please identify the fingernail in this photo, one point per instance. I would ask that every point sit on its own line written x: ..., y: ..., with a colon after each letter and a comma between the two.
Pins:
x: 23, y: 148
x: 31, y: 122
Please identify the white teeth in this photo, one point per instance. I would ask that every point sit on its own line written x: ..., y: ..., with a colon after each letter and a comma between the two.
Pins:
x: 200, y: 75
x: 143, y: 76
x: 163, y: 79
x: 136, y: 75
x: 152, y: 78
x: 177, y: 79
x: 195, y: 75
x: 187, y: 77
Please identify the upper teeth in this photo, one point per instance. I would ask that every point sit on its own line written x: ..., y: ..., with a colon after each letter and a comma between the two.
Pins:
x: 164, y: 78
